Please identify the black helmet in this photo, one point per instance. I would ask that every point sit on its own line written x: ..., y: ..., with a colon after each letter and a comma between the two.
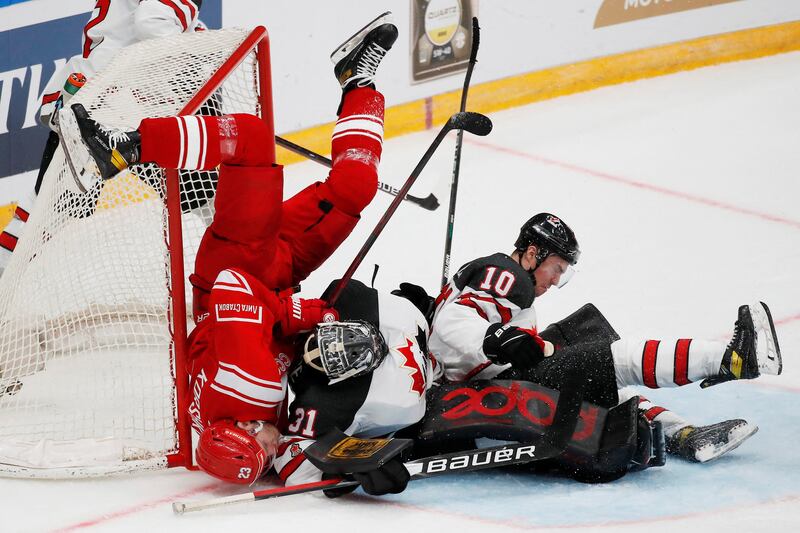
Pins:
x: 550, y: 235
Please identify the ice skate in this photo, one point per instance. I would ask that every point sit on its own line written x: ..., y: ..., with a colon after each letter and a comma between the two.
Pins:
x: 753, y: 350
x: 357, y: 59
x: 705, y: 443
x: 113, y: 150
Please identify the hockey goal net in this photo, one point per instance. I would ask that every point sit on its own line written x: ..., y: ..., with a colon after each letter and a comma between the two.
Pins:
x: 93, y: 303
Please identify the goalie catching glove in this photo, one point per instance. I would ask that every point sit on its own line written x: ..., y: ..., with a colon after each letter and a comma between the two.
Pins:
x: 521, y: 348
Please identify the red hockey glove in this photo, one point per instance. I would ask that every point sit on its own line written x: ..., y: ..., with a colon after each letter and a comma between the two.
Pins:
x: 520, y: 347
x: 298, y: 315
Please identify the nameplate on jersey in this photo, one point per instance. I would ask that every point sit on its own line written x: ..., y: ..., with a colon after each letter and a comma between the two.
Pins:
x: 239, y: 312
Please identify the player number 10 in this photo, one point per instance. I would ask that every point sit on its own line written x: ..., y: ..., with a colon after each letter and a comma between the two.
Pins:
x: 503, y: 283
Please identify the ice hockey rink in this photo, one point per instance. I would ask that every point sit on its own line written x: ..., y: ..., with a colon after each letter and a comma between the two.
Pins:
x: 683, y: 193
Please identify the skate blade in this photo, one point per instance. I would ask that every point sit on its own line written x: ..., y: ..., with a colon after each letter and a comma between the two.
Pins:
x: 81, y: 164
x: 346, y: 47
x: 762, y: 318
x: 736, y: 437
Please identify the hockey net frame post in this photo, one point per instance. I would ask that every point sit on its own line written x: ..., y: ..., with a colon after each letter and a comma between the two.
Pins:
x: 258, y: 39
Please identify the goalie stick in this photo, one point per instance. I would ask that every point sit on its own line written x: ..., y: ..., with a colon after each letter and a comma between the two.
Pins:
x: 474, y: 123
x: 552, y: 445
x: 430, y: 202
x: 451, y: 211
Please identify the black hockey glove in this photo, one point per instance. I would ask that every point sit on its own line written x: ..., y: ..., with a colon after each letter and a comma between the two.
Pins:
x: 419, y: 297
x: 506, y: 344
x: 391, y: 478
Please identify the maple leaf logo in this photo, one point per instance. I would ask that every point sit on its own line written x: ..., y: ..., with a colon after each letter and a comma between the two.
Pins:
x: 416, y: 375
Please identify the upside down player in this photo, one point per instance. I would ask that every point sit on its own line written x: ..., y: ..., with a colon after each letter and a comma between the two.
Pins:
x: 485, y: 327
x: 258, y: 244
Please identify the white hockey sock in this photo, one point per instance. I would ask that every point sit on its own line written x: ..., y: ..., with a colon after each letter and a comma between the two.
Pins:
x: 665, y: 363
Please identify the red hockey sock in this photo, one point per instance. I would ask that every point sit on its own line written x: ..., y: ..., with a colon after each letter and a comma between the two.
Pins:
x: 356, y: 147
x: 196, y: 142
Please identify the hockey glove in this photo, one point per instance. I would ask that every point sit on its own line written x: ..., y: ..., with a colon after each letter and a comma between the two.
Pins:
x: 419, y: 297
x: 521, y: 348
x: 297, y: 314
x: 391, y: 478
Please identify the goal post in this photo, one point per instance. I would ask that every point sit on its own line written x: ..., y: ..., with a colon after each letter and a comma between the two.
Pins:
x: 93, y: 304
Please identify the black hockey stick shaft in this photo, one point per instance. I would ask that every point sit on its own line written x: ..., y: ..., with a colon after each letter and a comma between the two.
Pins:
x: 474, y: 123
x: 451, y: 211
x: 430, y: 202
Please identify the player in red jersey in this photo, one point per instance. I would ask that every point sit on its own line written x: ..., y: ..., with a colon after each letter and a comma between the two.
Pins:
x: 257, y: 246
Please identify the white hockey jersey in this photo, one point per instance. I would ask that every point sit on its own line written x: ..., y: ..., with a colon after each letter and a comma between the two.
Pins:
x: 483, y: 292
x: 390, y: 398
x: 115, y: 24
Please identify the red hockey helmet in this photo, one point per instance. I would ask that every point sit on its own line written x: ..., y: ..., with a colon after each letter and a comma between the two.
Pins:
x: 231, y: 454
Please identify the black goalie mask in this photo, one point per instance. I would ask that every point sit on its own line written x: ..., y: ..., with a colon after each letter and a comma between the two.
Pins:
x: 343, y: 350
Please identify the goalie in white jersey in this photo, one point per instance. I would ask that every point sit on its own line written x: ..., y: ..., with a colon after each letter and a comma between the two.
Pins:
x: 485, y: 327
x: 366, y: 375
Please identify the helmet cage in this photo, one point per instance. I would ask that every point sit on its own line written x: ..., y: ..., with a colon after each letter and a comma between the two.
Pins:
x: 345, y: 349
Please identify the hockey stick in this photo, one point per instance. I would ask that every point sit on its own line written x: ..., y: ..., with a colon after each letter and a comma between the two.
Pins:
x: 430, y: 202
x: 451, y: 212
x: 474, y: 123
x: 552, y: 445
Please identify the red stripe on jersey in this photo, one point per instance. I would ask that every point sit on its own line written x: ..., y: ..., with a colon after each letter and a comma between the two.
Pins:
x: 649, y: 355
x: 8, y: 241
x: 191, y: 6
x: 502, y: 310
x: 447, y: 290
x: 291, y: 467
x: 477, y: 370
x: 681, y: 376
x: 21, y: 214
x: 88, y: 44
x: 469, y: 303
x: 178, y: 13
x: 52, y: 97
x: 653, y: 412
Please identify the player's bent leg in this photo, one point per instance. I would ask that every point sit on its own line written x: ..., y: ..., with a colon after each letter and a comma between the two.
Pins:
x: 319, y: 218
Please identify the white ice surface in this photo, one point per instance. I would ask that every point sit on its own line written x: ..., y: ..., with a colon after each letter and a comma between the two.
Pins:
x: 683, y: 191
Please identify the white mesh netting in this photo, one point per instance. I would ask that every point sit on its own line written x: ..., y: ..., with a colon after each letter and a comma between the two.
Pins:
x: 86, y: 373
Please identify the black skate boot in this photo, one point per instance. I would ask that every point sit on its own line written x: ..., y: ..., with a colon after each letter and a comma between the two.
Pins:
x: 705, y: 443
x: 113, y: 150
x: 357, y: 59
x: 753, y: 350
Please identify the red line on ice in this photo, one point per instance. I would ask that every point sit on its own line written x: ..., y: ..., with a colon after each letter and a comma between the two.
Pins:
x: 140, y: 507
x: 637, y: 184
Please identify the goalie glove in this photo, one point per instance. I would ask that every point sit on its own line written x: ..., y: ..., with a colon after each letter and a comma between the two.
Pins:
x: 521, y: 348
x: 389, y: 478
x: 297, y: 314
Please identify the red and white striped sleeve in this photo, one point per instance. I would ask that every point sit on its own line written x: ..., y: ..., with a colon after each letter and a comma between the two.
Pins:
x: 291, y: 465
x: 160, y: 18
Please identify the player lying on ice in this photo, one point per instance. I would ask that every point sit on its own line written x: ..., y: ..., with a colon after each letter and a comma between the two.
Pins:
x: 485, y: 327
x: 258, y: 245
